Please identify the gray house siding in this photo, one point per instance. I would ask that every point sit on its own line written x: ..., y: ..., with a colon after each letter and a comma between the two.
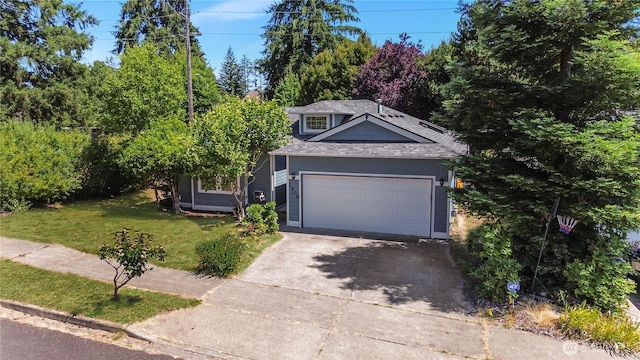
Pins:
x: 376, y: 166
x: 185, y: 192
x: 369, y: 132
x: 261, y: 180
x: 441, y: 215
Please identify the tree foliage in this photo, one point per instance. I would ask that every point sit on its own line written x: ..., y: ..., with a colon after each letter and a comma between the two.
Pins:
x: 539, y: 94
x: 160, y: 22
x: 332, y: 73
x: 162, y: 154
x: 233, y: 137
x: 39, y: 164
x: 41, y: 44
x: 288, y: 91
x: 298, y: 30
x: 232, y: 79
x: 147, y: 86
x: 393, y: 74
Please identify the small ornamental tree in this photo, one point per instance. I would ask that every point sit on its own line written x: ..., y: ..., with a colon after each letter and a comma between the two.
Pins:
x: 129, y: 257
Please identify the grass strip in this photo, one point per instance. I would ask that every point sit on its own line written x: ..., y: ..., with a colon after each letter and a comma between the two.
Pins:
x: 81, y: 296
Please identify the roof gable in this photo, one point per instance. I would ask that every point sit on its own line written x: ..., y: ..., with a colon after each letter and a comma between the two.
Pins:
x: 368, y: 124
x: 367, y: 131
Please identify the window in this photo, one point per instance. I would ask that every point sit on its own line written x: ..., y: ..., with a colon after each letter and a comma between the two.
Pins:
x: 220, y: 187
x: 315, y: 123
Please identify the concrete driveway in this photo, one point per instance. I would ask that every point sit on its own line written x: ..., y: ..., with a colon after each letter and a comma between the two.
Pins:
x: 412, y: 275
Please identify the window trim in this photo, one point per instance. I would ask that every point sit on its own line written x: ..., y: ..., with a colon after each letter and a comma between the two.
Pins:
x: 327, y: 119
x: 201, y: 190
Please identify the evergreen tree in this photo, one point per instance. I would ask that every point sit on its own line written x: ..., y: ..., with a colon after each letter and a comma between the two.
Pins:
x: 298, y: 30
x: 539, y: 94
x: 41, y: 77
x: 248, y: 71
x: 231, y: 75
x: 160, y: 22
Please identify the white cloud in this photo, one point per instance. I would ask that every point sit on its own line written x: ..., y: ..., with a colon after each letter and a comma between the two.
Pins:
x: 232, y: 10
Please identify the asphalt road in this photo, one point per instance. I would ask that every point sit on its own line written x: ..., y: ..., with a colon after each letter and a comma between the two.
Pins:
x: 26, y: 342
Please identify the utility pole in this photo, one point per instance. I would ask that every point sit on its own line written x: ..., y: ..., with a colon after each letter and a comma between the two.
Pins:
x: 189, y: 80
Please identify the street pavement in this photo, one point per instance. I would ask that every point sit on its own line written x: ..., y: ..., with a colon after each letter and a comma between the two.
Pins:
x: 313, y: 296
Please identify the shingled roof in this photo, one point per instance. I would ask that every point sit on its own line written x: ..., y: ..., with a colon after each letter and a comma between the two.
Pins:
x: 442, y: 144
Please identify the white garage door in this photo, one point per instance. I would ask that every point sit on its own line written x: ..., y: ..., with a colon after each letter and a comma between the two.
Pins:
x: 386, y: 205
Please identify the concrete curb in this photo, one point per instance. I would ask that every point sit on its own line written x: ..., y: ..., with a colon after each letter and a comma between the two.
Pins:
x: 83, y: 321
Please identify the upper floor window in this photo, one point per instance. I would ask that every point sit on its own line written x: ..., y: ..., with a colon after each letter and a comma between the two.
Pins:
x: 315, y: 123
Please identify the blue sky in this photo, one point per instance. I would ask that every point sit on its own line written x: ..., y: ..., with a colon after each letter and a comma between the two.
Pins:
x: 238, y: 24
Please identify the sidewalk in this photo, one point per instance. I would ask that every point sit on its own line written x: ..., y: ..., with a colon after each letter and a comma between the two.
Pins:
x: 241, y: 319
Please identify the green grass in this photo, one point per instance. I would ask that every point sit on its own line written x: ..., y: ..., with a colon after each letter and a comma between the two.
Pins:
x: 81, y: 296
x: 85, y: 225
x: 615, y: 332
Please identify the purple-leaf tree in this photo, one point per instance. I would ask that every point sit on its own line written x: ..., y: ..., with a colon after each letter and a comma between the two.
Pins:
x: 393, y: 74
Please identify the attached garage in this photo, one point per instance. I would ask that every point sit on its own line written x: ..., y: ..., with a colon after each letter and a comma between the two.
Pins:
x: 395, y: 205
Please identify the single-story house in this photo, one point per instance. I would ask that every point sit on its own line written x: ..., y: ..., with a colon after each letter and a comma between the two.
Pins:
x: 353, y: 165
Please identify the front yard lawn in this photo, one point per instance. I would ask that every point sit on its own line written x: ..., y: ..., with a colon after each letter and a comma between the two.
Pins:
x: 85, y: 225
x: 81, y: 296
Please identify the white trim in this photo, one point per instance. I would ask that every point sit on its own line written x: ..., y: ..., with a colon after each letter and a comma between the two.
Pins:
x: 213, y: 208
x: 303, y: 128
x: 373, y: 175
x: 375, y: 120
x: 272, y: 175
x: 219, y: 192
x: 186, y: 205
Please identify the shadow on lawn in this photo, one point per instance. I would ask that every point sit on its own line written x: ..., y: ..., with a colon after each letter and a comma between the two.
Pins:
x: 402, y: 272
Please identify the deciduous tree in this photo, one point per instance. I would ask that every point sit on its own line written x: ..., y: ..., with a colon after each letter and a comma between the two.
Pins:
x: 393, y: 74
x: 332, y: 73
x: 235, y: 138
x: 147, y: 86
x: 162, y: 153
x: 129, y: 257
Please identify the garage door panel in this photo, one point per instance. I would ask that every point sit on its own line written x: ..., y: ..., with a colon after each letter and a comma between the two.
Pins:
x: 375, y: 204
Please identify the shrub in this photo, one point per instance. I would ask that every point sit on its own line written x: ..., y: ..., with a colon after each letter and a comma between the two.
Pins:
x: 102, y: 176
x: 616, y: 332
x: 261, y: 219
x: 490, y: 245
x: 602, y: 278
x: 220, y: 256
x: 39, y: 164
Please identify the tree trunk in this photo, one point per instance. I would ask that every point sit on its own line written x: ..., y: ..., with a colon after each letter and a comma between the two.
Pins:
x: 175, y: 195
x: 155, y: 192
x: 566, y: 55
